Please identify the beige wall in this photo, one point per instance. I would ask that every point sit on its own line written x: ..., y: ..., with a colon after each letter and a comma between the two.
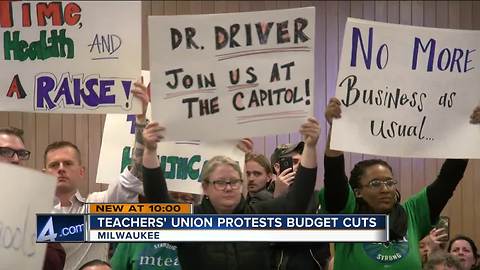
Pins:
x: 413, y: 174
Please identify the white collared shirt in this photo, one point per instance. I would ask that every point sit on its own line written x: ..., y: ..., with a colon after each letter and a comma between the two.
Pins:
x: 125, y: 190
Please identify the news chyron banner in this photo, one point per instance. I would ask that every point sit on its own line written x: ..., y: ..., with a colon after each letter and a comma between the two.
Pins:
x: 74, y: 227
x: 176, y: 223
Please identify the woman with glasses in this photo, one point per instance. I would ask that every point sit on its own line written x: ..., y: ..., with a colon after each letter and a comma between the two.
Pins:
x: 371, y: 189
x: 221, y: 180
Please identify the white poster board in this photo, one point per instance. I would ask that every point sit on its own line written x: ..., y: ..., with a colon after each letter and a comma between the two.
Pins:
x: 69, y: 57
x: 233, y: 75
x: 24, y: 193
x: 408, y: 91
x: 181, y: 161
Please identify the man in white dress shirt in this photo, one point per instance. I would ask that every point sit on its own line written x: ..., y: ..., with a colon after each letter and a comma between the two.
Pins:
x: 63, y: 160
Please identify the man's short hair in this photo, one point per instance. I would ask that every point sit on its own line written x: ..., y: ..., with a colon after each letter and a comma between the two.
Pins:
x: 13, y: 131
x: 442, y: 258
x: 94, y: 263
x: 61, y: 144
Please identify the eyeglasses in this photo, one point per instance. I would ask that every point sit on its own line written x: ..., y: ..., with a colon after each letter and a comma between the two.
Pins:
x: 8, y: 152
x: 222, y: 184
x: 378, y: 184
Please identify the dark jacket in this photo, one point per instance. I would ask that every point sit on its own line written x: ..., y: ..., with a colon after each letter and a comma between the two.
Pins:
x: 233, y: 255
x: 260, y: 196
x: 302, y: 255
x: 54, y: 257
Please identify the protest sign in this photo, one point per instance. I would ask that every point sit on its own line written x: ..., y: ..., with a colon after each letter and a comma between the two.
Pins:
x: 181, y: 161
x: 18, y: 247
x: 407, y: 91
x: 225, y: 76
x: 69, y: 57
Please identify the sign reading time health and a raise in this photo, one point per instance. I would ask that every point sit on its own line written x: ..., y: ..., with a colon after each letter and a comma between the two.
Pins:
x: 69, y: 57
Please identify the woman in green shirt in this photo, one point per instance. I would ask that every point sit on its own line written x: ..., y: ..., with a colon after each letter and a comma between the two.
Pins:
x: 150, y: 256
x: 371, y: 189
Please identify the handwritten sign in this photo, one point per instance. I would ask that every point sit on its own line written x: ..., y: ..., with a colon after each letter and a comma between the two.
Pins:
x: 408, y: 91
x: 181, y: 161
x: 18, y: 247
x: 69, y: 57
x: 225, y: 76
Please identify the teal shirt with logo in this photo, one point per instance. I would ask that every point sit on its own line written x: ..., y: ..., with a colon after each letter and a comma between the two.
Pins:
x: 395, y: 255
x: 145, y: 256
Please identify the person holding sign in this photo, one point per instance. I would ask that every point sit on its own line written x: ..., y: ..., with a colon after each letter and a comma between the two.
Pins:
x: 13, y: 151
x: 63, y: 160
x: 371, y: 189
x: 285, y: 160
x: 222, y: 185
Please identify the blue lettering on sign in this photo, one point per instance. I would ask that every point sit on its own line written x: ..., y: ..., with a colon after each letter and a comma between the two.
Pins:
x: 132, y: 118
x: 79, y: 91
x: 455, y: 59
x: 381, y: 55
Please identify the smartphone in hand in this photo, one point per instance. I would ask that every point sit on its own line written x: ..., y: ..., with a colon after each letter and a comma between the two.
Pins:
x: 444, y: 223
x: 285, y: 163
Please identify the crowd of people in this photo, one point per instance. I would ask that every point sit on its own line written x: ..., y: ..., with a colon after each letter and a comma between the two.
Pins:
x: 271, y: 188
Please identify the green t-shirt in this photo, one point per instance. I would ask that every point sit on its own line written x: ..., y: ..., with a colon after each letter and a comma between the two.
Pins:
x: 397, y: 255
x: 145, y: 256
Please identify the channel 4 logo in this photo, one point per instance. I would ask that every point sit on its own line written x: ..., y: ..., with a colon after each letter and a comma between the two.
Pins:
x: 60, y: 228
